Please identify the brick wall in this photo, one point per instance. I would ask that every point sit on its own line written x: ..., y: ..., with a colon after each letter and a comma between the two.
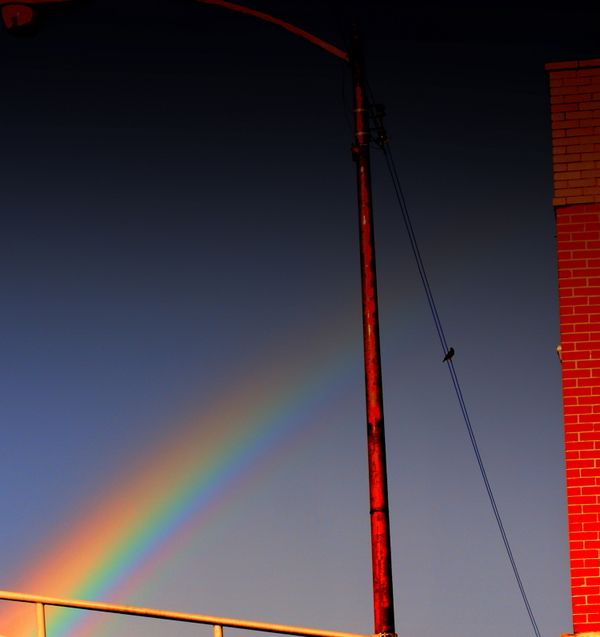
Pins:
x: 578, y: 236
x: 575, y: 110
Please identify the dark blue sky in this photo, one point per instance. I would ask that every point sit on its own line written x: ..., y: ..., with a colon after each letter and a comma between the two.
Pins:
x: 178, y: 198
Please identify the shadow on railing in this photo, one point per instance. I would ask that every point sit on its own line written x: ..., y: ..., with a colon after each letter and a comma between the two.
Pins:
x: 218, y: 623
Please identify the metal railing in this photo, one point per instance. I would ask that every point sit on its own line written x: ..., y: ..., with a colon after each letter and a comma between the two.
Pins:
x: 218, y: 623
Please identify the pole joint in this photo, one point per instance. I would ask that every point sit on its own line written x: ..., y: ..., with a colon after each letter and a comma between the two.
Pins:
x: 383, y: 509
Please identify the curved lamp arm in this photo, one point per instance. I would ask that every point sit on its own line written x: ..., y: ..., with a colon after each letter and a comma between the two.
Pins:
x: 330, y: 48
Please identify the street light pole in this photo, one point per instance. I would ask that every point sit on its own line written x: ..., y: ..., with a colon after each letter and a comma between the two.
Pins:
x: 383, y: 597
x: 17, y: 14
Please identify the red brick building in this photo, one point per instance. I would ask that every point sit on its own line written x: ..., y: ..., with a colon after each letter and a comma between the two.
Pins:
x: 575, y: 110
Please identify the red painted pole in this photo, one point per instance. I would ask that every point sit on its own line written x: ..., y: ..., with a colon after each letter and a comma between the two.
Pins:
x: 383, y: 597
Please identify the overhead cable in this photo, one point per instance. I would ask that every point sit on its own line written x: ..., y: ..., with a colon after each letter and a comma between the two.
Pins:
x: 383, y: 143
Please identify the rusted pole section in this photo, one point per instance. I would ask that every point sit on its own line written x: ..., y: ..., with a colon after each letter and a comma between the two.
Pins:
x: 383, y: 597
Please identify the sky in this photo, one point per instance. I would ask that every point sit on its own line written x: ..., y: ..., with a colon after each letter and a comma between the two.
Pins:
x: 182, y: 390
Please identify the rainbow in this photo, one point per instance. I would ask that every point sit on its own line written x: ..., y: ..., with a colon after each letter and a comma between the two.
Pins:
x: 153, y: 508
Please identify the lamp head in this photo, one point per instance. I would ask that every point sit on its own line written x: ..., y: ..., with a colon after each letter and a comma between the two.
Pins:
x: 18, y: 18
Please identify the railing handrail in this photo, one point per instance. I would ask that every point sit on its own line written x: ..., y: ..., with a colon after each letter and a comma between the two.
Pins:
x: 155, y: 613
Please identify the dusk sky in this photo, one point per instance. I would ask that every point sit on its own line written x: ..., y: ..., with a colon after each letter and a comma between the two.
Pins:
x: 182, y: 400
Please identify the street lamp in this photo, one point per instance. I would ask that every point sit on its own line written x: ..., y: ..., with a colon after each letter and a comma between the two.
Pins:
x: 19, y: 15
x: 383, y: 599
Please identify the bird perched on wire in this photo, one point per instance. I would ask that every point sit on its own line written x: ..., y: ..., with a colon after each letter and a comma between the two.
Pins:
x: 449, y: 355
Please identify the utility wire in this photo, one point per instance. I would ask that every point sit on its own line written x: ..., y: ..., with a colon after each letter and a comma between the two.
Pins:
x: 384, y: 145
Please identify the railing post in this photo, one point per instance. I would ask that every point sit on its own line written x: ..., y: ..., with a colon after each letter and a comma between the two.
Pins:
x: 40, y: 612
x: 217, y: 631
